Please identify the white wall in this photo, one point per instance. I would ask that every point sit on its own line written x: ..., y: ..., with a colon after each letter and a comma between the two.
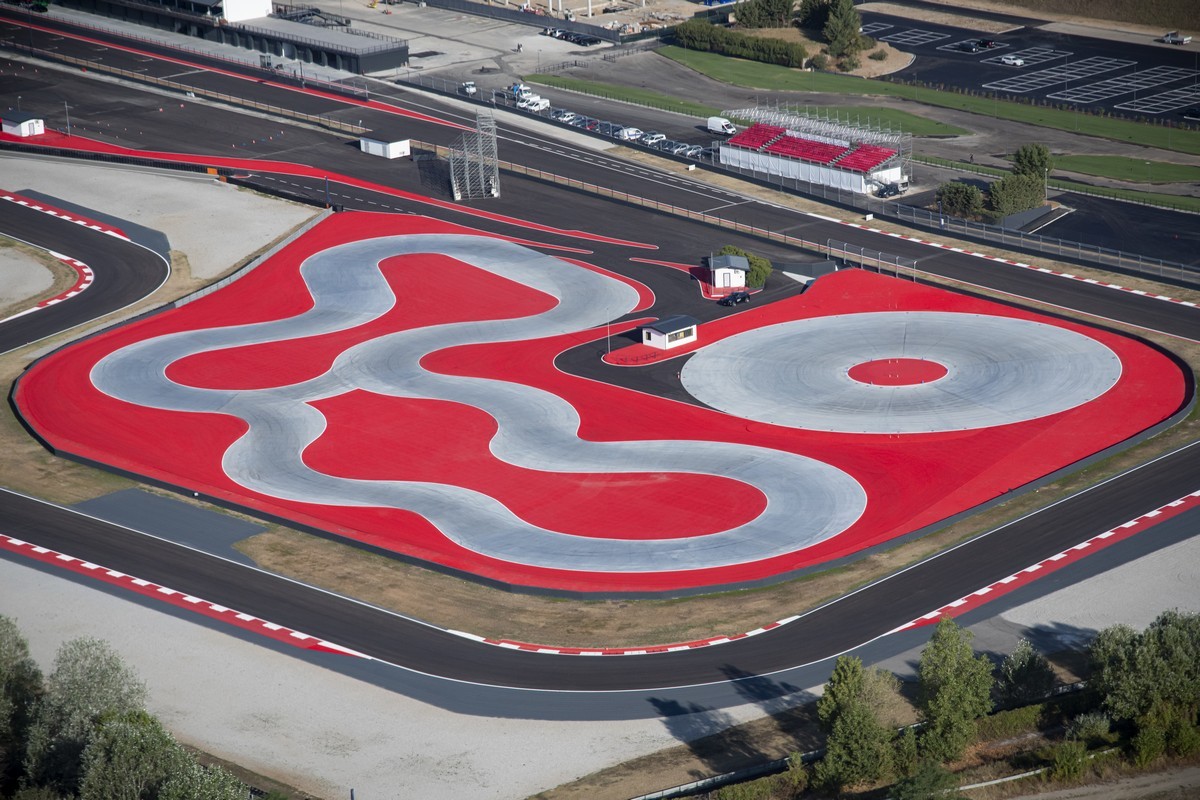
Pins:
x: 33, y: 127
x: 241, y: 10
x: 723, y: 277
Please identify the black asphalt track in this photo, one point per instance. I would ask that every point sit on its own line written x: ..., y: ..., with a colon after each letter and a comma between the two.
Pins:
x: 124, y: 273
x: 858, y: 618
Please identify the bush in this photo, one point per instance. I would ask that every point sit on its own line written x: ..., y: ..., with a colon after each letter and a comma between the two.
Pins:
x: 1016, y: 193
x: 930, y: 781
x: 1148, y: 745
x: 1183, y: 738
x: 849, y: 64
x: 699, y: 35
x: 1007, y: 724
x: 820, y: 61
x: 1092, y: 728
x: 1025, y: 675
x: 812, y: 14
x: 960, y: 200
x: 878, y: 55
x: 1070, y: 759
x: 906, y: 759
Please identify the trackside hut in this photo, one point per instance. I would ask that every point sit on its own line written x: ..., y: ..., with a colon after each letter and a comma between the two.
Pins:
x: 670, y: 332
x: 728, y: 272
x: 20, y: 123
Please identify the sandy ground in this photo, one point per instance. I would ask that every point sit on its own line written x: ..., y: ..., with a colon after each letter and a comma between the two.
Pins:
x: 21, y: 277
x: 188, y: 209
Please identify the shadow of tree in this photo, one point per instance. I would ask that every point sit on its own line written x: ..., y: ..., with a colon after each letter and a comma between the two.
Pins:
x: 712, y: 735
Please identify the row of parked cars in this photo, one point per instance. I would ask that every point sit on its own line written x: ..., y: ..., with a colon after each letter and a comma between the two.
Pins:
x: 628, y: 133
x: 584, y: 39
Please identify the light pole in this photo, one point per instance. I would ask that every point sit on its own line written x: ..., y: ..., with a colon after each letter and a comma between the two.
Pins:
x: 1046, y: 184
x: 18, y: 104
x: 1147, y: 172
x: 67, y: 109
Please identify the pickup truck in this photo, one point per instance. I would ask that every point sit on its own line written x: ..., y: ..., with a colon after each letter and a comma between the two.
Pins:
x: 1174, y: 37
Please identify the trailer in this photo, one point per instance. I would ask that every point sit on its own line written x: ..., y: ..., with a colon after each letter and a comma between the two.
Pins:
x: 376, y: 147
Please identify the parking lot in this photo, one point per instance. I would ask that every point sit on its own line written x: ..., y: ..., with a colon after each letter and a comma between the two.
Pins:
x: 1029, y: 62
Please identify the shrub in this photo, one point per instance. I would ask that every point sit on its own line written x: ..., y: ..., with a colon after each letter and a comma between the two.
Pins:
x: 849, y: 64
x: 1016, y: 193
x: 1148, y: 745
x: 930, y: 781
x: 1183, y: 738
x: 878, y: 55
x: 760, y: 268
x: 1025, y: 674
x: 699, y: 35
x: 820, y: 61
x: 906, y: 758
x: 1070, y: 758
x: 960, y: 200
x: 1006, y: 724
x: 1092, y: 728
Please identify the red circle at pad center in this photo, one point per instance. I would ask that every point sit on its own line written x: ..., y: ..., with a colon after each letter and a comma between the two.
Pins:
x: 897, y: 372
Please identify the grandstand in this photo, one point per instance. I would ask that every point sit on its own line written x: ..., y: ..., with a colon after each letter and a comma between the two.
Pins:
x: 787, y: 142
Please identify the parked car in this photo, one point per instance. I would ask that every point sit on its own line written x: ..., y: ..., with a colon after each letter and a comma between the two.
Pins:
x: 608, y: 128
x: 969, y: 47
x: 887, y: 190
x: 1174, y: 37
x: 1012, y: 61
x: 652, y: 138
x: 665, y: 145
x: 988, y: 44
x: 695, y: 151
x: 679, y: 148
x: 581, y: 122
x: 629, y: 133
x: 734, y: 299
x: 468, y: 88
x: 595, y: 125
x: 562, y: 115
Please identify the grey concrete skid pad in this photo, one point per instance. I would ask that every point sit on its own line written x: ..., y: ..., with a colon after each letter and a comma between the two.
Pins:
x: 807, y: 500
x: 999, y: 371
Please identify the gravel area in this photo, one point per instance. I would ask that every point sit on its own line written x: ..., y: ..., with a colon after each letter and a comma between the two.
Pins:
x: 21, y: 277
x: 187, y: 209
x: 310, y: 727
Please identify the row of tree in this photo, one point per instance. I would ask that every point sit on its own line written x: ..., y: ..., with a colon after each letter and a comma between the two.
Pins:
x: 699, y: 35
x: 1144, y: 687
x: 1024, y: 189
x: 83, y: 731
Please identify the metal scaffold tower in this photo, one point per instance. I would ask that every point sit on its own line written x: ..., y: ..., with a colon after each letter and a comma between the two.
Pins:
x: 474, y: 166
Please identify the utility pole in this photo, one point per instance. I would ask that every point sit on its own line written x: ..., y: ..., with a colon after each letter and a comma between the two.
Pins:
x: 67, y: 109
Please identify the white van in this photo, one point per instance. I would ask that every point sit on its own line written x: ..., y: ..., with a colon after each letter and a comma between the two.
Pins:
x: 721, y: 125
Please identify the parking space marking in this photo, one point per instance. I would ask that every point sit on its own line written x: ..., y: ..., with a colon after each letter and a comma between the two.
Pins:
x: 1070, y: 71
x: 873, y: 28
x: 1164, y: 101
x: 914, y: 37
x: 1033, y: 55
x: 958, y: 46
x: 1126, y: 84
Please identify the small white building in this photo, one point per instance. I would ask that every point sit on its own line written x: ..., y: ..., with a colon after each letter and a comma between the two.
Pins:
x: 242, y: 10
x: 728, y: 272
x: 20, y: 123
x: 377, y: 147
x: 670, y: 332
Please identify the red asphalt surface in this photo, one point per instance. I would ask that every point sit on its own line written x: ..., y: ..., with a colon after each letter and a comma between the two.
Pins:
x: 911, y: 480
x: 897, y: 372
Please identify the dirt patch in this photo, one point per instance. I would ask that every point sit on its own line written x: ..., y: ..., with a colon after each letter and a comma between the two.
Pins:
x: 1152, y: 16
x: 893, y: 61
x: 29, y: 275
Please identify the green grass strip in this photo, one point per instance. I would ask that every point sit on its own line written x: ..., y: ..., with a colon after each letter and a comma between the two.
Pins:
x: 1128, y: 169
x: 910, y: 123
x: 641, y: 97
x: 1172, y: 201
x: 754, y: 75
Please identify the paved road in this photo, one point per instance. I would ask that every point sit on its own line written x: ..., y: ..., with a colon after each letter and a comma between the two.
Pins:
x: 124, y: 273
x: 855, y: 619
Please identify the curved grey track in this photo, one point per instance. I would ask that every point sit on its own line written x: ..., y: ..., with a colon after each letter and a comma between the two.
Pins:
x: 1000, y: 370
x: 807, y: 500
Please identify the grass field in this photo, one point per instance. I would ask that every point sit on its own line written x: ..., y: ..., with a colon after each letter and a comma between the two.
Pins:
x: 766, y: 76
x: 908, y: 122
x: 1128, y: 169
x: 1173, y: 201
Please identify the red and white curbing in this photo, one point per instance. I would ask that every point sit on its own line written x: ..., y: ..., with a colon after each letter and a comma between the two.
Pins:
x: 621, y: 651
x: 147, y: 589
x: 84, y: 278
x: 303, y: 640
x: 1010, y: 262
x: 66, y: 215
x: 1055, y: 562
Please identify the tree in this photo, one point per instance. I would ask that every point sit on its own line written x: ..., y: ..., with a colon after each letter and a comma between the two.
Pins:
x: 954, y: 691
x: 960, y: 199
x: 89, y: 683
x: 129, y: 757
x: 1016, y: 193
x: 764, y: 13
x: 859, y: 744
x: 1033, y: 160
x: 858, y: 749
x: 1025, y: 675
x: 842, y: 29
x: 20, y: 687
x: 813, y: 14
x: 1155, y: 671
x: 930, y: 781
